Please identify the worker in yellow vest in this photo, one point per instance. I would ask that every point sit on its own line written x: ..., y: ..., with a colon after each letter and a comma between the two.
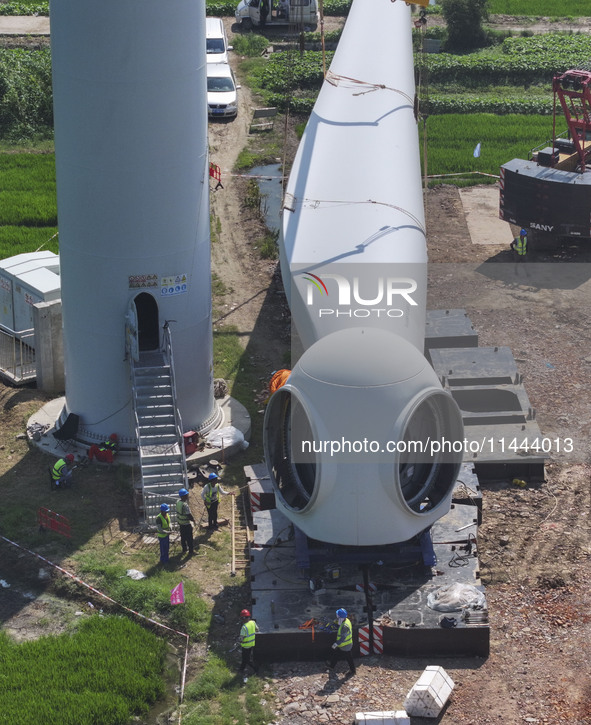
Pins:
x: 184, y: 518
x: 248, y: 633
x: 210, y: 493
x: 61, y: 473
x: 519, y: 245
x: 343, y: 643
x: 105, y: 451
x: 163, y: 532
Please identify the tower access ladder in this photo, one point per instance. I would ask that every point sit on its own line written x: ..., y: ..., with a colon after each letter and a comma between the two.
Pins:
x: 159, y: 430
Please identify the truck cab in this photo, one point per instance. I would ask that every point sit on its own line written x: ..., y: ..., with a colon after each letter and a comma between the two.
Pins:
x: 300, y: 13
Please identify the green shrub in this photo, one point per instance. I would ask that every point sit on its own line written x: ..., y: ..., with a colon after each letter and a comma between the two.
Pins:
x: 221, y: 7
x: 26, y: 101
x: 500, y: 105
x: 25, y: 8
x: 336, y: 7
x: 464, y: 23
x: 518, y: 61
x: 250, y: 44
x: 293, y: 70
x: 267, y: 246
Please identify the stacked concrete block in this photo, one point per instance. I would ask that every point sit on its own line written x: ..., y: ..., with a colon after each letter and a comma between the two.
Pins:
x: 429, y: 694
x: 385, y: 717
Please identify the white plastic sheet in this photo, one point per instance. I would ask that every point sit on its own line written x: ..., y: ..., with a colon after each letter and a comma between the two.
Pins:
x: 455, y: 597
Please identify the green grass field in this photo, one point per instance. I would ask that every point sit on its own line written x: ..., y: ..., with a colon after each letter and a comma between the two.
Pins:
x: 28, y: 206
x: 81, y: 678
x: 452, y: 140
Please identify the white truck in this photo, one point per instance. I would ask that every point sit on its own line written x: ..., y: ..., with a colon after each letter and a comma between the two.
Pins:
x: 302, y: 14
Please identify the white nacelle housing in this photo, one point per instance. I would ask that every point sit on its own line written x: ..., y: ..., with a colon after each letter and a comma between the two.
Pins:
x: 351, y: 441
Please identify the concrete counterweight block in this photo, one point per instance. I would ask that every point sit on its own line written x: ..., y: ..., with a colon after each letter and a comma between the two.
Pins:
x: 385, y: 717
x: 429, y: 693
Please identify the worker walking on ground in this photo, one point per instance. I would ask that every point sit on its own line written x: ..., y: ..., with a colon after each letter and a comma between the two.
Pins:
x: 163, y: 531
x: 184, y: 517
x: 61, y: 473
x: 211, y: 496
x: 247, y: 637
x: 343, y: 644
x: 106, y: 451
x: 519, y: 245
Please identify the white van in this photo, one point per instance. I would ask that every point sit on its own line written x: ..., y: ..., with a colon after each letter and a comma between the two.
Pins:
x: 302, y: 14
x: 216, y: 41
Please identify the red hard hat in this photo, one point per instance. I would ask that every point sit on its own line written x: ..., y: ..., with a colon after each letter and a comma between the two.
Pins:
x: 113, y: 437
x: 245, y: 613
x: 69, y: 457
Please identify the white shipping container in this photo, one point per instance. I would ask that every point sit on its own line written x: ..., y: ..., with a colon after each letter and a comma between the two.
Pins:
x: 39, y: 285
x: 26, y: 279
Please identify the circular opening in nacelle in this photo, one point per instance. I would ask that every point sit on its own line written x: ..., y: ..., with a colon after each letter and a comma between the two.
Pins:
x: 429, y: 461
x: 288, y: 442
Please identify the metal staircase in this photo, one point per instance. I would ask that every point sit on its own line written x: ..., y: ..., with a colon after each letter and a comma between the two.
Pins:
x: 158, y: 430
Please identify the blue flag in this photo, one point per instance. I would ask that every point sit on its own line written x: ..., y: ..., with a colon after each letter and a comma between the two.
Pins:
x: 477, y: 150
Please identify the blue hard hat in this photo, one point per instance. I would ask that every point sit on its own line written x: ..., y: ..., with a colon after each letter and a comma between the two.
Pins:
x: 523, y: 233
x: 164, y: 507
x: 183, y: 492
x: 212, y: 476
x: 342, y: 613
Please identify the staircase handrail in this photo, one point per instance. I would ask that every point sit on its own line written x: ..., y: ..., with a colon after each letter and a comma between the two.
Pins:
x: 132, y: 364
x: 168, y: 356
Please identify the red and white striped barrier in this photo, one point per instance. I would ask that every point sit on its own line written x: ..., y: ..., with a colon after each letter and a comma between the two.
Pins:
x: 378, y: 640
x: 255, y: 501
x: 371, y: 586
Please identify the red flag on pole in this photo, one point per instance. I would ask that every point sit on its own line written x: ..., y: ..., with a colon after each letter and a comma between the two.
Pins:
x: 177, y: 595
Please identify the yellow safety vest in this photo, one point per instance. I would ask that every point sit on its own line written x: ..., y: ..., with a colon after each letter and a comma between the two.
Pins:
x: 521, y: 246
x: 58, y: 469
x: 181, y: 516
x: 212, y: 493
x: 348, y: 634
x: 165, y: 523
x: 248, y: 633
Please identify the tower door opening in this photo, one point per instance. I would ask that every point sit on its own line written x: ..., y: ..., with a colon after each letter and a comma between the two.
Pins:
x: 147, y: 322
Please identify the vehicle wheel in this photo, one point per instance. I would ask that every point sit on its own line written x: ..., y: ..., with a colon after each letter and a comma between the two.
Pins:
x: 247, y: 24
